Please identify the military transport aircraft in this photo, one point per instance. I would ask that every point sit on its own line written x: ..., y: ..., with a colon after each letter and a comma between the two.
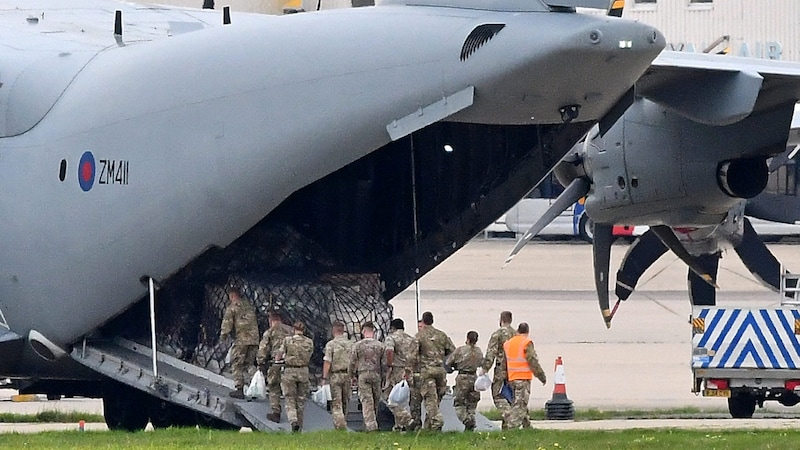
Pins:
x: 683, y: 159
x: 146, y: 148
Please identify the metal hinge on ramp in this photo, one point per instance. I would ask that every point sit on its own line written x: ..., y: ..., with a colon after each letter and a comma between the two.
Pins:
x: 314, y: 417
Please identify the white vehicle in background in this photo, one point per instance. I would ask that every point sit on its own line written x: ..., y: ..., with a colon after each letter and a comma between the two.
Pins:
x: 573, y: 222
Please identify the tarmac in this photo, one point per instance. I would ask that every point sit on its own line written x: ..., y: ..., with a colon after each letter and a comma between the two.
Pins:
x: 642, y: 362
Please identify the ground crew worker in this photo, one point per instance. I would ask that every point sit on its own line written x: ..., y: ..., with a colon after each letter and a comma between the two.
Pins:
x: 433, y: 346
x: 296, y: 352
x: 239, y: 321
x: 367, y: 364
x: 335, y: 363
x: 497, y: 357
x: 399, y: 348
x: 521, y: 365
x: 271, y: 341
x: 466, y: 359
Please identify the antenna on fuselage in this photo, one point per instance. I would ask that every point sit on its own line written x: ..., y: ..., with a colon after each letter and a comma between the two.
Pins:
x: 118, y: 27
x: 226, y: 15
x: 118, y: 23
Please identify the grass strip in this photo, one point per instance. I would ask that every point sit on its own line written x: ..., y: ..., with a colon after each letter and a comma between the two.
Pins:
x: 589, y: 414
x: 528, y: 439
x: 50, y: 417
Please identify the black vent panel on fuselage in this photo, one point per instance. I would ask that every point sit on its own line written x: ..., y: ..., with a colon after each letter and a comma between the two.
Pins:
x: 479, y: 36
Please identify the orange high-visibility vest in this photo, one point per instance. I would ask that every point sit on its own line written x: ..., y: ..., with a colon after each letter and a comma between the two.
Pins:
x: 518, y: 368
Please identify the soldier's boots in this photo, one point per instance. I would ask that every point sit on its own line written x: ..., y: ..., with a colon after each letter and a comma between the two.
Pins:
x: 274, y: 416
x: 295, y: 427
x: 469, y: 426
x: 237, y: 393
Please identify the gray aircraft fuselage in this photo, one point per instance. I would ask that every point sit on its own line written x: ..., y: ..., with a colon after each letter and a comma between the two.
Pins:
x: 134, y: 159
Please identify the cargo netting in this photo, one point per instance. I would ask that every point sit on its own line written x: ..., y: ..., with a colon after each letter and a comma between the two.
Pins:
x: 277, y: 270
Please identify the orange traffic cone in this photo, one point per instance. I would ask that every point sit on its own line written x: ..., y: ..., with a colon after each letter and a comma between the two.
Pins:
x: 559, y: 407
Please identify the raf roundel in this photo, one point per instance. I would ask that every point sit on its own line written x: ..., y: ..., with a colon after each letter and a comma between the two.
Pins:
x: 86, y: 171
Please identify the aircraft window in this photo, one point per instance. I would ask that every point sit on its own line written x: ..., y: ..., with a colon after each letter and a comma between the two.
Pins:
x: 643, y: 1
x: 536, y: 193
x: 549, y: 188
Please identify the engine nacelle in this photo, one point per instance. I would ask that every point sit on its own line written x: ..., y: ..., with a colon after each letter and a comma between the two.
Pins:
x: 743, y: 178
x: 655, y: 167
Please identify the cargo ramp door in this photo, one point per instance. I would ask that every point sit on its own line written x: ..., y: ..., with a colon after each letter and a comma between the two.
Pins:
x: 186, y: 385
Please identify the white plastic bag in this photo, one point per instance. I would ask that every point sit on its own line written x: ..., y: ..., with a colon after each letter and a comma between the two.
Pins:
x: 322, y: 395
x: 229, y: 356
x: 400, y: 394
x: 483, y: 383
x: 257, y: 387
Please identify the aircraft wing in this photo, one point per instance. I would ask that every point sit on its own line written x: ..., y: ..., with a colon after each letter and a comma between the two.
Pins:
x: 716, y: 90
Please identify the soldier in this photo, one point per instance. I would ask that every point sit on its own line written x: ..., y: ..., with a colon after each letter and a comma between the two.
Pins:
x: 271, y: 341
x: 367, y: 361
x: 466, y: 359
x: 433, y: 346
x: 521, y: 365
x: 239, y: 321
x: 334, y: 372
x: 296, y: 352
x: 495, y: 355
x: 399, y: 348
x: 414, y: 397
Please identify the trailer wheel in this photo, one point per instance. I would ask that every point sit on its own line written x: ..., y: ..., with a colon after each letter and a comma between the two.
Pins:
x: 586, y: 228
x: 125, y: 409
x: 742, y: 406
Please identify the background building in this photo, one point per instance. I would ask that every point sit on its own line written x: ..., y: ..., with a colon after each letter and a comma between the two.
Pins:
x: 763, y: 28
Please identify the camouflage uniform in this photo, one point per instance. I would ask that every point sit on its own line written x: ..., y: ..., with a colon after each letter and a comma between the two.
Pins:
x: 497, y: 356
x: 239, y: 321
x: 402, y: 344
x: 294, y: 382
x: 415, y: 401
x: 518, y: 414
x: 271, y: 341
x: 367, y: 361
x: 337, y: 353
x: 433, y: 346
x: 466, y: 359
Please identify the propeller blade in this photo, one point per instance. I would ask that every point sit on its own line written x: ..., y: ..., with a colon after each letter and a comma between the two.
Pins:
x: 576, y: 189
x: 644, y: 251
x: 783, y: 158
x: 601, y: 254
x: 700, y: 292
x: 758, y: 259
x: 669, y: 239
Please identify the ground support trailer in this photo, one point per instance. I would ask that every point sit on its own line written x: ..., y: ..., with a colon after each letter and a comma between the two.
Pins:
x: 749, y: 355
